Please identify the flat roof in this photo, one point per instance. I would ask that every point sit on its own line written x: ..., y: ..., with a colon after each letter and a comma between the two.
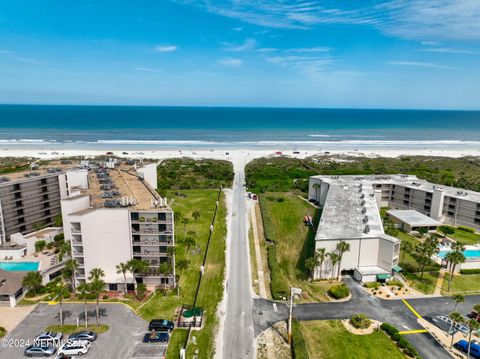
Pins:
x: 371, y: 270
x: 10, y: 282
x: 413, y: 218
x: 53, y: 168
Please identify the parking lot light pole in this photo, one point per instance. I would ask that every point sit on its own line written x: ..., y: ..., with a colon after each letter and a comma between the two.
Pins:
x: 293, y: 291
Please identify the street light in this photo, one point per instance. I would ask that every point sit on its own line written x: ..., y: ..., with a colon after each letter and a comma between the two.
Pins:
x: 293, y: 291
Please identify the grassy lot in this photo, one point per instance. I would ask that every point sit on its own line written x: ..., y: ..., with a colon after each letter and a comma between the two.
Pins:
x: 70, y: 329
x: 282, y: 215
x: 330, y: 340
x: 185, y: 202
x: 462, y: 283
x: 425, y: 285
x: 253, y: 261
x: 465, y: 237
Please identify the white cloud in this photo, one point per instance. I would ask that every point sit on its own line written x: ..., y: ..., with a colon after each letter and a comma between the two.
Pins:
x: 165, y: 48
x: 447, y: 50
x: 304, y: 64
x: 247, y: 45
x: 420, y: 64
x: 238, y: 28
x: 229, y: 61
x: 146, y: 69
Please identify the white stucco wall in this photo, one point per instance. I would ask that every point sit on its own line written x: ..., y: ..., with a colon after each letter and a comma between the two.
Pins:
x: 149, y: 172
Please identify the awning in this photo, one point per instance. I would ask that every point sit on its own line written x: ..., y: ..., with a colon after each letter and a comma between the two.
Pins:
x: 383, y: 276
x: 397, y: 269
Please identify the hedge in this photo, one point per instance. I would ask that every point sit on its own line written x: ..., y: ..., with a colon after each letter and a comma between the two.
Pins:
x: 466, y: 229
x: 299, y: 348
x: 339, y: 291
x: 3, y: 331
x: 470, y: 271
x: 401, y: 341
x: 277, y: 285
x: 360, y: 321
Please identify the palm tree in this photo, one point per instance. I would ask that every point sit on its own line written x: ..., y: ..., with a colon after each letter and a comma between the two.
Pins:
x: 96, y: 287
x: 123, y: 268
x: 310, y: 264
x: 185, y: 221
x: 320, y: 256
x: 316, y: 187
x: 473, y: 325
x: 65, y: 248
x: 60, y: 290
x: 342, y: 247
x: 196, y: 215
x: 69, y: 271
x: 137, y: 266
x: 334, y: 258
x: 165, y: 270
x: 83, y: 291
x: 32, y: 281
x: 190, y: 242
x: 406, y: 248
x: 458, y: 298
x: 453, y: 258
x: 456, y: 318
x: 476, y: 308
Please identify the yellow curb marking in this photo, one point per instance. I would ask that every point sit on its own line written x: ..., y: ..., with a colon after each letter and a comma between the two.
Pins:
x: 414, y: 331
x: 411, y: 308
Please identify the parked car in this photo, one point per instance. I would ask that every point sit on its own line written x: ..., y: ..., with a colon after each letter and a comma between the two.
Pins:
x: 109, y: 153
x: 39, y: 350
x: 63, y: 356
x: 124, y: 153
x: 156, y: 337
x: 49, y: 338
x: 84, y: 335
x: 75, y: 347
x: 160, y: 325
x: 296, y: 152
x: 462, y: 345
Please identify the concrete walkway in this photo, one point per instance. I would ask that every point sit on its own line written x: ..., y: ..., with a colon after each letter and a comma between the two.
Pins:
x: 11, y: 317
x: 438, y: 286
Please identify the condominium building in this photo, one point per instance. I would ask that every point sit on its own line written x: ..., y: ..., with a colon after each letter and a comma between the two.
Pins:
x: 28, y: 199
x: 112, y: 215
x: 351, y: 206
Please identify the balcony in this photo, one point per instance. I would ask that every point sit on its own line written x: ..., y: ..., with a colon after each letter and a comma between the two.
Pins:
x: 151, y: 231
x: 152, y: 242
x: 148, y: 253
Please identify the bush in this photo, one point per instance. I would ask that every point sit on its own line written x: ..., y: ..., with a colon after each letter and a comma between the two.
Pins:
x: 389, y: 329
x: 402, y: 342
x: 360, y: 321
x: 372, y: 285
x: 40, y: 245
x: 470, y: 271
x: 105, y: 297
x: 339, y: 291
x: 395, y: 283
x: 410, y: 351
x: 3, y: 331
x: 141, y: 290
x: 466, y: 229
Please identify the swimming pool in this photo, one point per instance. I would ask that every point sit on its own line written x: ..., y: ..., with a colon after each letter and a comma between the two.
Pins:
x: 469, y: 253
x: 19, y: 266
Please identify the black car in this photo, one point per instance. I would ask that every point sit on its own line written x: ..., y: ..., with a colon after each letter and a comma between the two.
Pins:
x: 156, y: 337
x: 84, y: 335
x: 161, y: 325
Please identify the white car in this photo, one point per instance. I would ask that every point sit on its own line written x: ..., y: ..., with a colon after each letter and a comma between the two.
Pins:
x: 75, y: 347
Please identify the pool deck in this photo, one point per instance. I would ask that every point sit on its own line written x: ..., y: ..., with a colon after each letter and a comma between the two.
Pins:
x: 43, y: 258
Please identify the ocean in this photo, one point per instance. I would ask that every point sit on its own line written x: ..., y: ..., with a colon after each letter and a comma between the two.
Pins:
x: 38, y: 126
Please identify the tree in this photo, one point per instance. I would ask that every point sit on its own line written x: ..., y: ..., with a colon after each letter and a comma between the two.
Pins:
x: 182, y: 264
x: 458, y: 298
x: 476, y: 308
x: 334, y: 258
x: 83, y: 291
x: 123, y: 268
x: 473, y: 325
x: 423, y: 253
x: 164, y: 270
x: 96, y: 287
x: 453, y: 258
x: 185, y: 221
x: 69, y: 271
x: 40, y: 245
x: 141, y: 290
x: 456, y: 318
x: 406, y: 247
x: 342, y: 247
x: 445, y: 230
x: 310, y: 264
x: 58, y: 221
x: 64, y: 249
x: 316, y: 187
x: 190, y: 242
x: 320, y: 256
x: 196, y: 215
x: 60, y: 290
x: 32, y: 281
x: 422, y: 230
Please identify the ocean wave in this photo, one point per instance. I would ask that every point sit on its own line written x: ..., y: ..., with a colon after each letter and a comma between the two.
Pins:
x: 319, y: 136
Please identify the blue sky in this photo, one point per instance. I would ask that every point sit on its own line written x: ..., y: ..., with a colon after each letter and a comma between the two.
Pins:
x: 311, y: 53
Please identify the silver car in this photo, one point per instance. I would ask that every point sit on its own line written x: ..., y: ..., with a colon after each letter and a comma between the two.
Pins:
x: 39, y: 350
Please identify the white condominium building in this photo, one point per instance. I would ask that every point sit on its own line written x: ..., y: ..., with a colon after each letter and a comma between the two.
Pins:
x: 113, y: 215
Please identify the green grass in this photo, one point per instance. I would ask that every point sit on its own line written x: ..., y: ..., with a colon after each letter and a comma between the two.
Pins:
x: 462, y: 283
x: 282, y: 215
x: 425, y: 285
x: 211, y: 290
x: 330, y: 340
x: 70, y: 329
x: 299, y: 346
x: 465, y: 237
x: 3, y: 332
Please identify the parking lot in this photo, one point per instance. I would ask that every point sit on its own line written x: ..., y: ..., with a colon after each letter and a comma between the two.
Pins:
x: 122, y: 340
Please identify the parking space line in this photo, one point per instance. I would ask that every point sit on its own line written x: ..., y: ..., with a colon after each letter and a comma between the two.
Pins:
x: 411, y: 308
x: 417, y: 331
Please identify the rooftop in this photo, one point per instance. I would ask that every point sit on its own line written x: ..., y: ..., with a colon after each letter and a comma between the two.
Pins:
x: 10, y: 282
x: 414, y: 218
x: 53, y: 168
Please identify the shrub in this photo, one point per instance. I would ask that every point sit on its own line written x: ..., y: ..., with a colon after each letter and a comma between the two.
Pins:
x: 402, y: 342
x: 3, y: 331
x: 280, y: 199
x: 410, y: 351
x: 466, y: 229
x: 141, y: 290
x: 396, y: 336
x: 372, y: 285
x: 470, y: 271
x: 105, y: 297
x: 389, y: 329
x: 360, y: 321
x: 299, y: 348
x: 40, y: 245
x: 395, y: 283
x: 339, y: 291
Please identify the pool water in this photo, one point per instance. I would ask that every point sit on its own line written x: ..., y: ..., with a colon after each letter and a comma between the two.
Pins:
x: 469, y: 253
x: 19, y: 266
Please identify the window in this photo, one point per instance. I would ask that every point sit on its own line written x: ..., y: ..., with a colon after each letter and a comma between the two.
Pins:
x: 21, y: 220
x: 19, y: 212
x: 405, y: 202
x: 19, y: 203
x: 113, y: 286
x: 162, y: 216
x: 46, y: 205
x: 45, y: 196
x: 134, y: 216
x: 18, y: 195
x: 44, y: 181
x: 23, y: 228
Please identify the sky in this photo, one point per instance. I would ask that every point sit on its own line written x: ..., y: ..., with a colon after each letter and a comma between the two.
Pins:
x: 418, y: 54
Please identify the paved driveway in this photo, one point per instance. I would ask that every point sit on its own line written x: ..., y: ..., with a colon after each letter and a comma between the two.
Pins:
x: 122, y: 340
x: 394, y: 312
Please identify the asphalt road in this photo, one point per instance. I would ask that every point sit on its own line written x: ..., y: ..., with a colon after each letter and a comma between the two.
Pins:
x: 238, y: 338
x: 122, y: 340
x: 394, y: 312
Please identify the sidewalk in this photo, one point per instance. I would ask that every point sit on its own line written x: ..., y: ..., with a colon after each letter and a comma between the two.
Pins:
x: 438, y: 286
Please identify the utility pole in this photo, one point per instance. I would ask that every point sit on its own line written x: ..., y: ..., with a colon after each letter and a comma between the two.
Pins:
x: 293, y: 291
